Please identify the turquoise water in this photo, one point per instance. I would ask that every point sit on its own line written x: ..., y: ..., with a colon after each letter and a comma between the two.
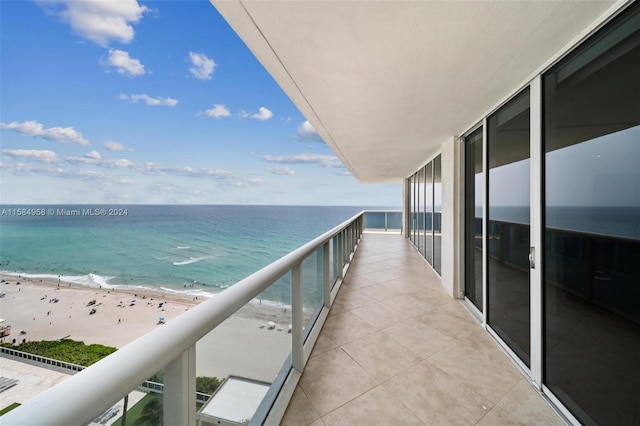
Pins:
x: 192, y: 249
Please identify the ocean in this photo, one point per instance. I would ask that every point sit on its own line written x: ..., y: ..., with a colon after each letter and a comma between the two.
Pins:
x: 198, y: 250
x: 613, y: 221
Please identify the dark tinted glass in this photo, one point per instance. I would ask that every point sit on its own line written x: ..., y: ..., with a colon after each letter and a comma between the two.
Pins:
x: 437, y: 214
x: 508, y: 288
x: 473, y: 201
x: 592, y: 226
x: 428, y: 205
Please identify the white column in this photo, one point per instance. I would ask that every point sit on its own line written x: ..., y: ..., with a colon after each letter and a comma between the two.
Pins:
x: 449, y: 211
x: 179, y: 399
x: 406, y: 210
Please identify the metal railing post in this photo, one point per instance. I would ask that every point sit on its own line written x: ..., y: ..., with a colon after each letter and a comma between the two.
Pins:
x: 340, y: 255
x: 297, y: 349
x: 179, y: 398
x: 326, y: 279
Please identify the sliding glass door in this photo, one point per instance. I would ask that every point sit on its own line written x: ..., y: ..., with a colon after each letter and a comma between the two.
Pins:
x: 508, y: 286
x: 591, y: 302
x: 474, y: 202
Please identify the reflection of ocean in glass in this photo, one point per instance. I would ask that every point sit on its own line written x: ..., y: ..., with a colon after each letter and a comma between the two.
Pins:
x: 614, y: 221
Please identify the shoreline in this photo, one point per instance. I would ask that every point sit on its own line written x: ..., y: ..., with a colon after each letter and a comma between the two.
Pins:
x: 48, y: 310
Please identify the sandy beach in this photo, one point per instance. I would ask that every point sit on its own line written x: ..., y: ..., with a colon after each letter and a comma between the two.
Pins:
x: 47, y: 310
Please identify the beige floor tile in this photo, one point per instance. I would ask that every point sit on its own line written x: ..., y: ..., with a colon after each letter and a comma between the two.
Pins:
x: 436, y: 398
x: 448, y: 323
x: 300, y: 411
x: 380, y: 315
x: 486, y: 370
x: 524, y: 403
x: 411, y: 305
x: 499, y: 417
x: 323, y: 344
x: 337, y: 309
x: 381, y: 292
x: 380, y: 356
x: 375, y: 408
x: 346, y: 327
x: 353, y: 298
x: 422, y: 340
x: 332, y: 379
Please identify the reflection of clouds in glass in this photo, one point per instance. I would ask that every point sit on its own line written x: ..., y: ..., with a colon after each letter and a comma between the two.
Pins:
x: 600, y: 172
x: 510, y: 184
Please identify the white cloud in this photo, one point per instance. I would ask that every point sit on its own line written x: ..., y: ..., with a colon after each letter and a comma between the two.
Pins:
x: 307, y: 133
x: 98, y: 20
x: 123, y: 63
x: 100, y: 162
x: 282, y: 170
x: 134, y: 99
x: 201, y: 67
x: 115, y: 146
x: 222, y: 177
x: 218, y: 111
x: 44, y: 156
x: 57, y: 134
x: 323, y: 160
x: 93, y: 154
x: 263, y: 114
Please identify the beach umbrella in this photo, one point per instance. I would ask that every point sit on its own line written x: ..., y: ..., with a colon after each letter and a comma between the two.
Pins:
x: 161, y: 318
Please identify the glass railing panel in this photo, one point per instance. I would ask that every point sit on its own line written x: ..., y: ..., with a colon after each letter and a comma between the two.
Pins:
x: 254, y: 342
x: 312, y: 285
x: 387, y: 220
x: 335, y: 263
x: 394, y: 220
x: 142, y: 405
x: 374, y: 220
x: 345, y: 248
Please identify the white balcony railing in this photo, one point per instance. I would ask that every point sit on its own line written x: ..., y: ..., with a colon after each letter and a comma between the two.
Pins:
x: 86, y: 395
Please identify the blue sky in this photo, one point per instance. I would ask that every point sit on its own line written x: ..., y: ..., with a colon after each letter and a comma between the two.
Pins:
x: 156, y: 103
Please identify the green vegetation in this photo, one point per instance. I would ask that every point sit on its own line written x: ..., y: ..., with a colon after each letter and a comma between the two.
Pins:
x: 9, y: 408
x: 146, y: 412
x: 66, y: 350
x: 204, y: 384
x: 135, y: 412
x: 149, y: 410
x: 207, y: 385
x: 151, y: 413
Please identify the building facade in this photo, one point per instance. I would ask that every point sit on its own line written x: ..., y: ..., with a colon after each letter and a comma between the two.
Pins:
x: 547, y: 220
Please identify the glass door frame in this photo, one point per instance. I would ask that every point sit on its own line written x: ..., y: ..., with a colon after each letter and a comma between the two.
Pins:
x: 481, y: 316
x: 534, y: 372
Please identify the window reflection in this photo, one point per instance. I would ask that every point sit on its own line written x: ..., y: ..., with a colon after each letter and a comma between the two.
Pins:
x: 508, y: 230
x: 592, y: 226
x: 473, y: 218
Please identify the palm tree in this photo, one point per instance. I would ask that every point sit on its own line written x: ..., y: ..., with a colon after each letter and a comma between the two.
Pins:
x: 151, y: 413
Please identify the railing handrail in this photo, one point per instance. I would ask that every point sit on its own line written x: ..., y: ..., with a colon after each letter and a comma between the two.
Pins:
x: 82, y: 397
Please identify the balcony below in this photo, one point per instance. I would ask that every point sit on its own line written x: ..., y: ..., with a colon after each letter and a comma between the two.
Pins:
x: 396, y: 349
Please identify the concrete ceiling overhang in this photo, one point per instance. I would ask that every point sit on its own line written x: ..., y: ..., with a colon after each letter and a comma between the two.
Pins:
x: 386, y: 83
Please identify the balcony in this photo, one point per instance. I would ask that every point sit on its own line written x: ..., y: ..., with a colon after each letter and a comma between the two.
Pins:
x: 396, y: 349
x: 374, y: 339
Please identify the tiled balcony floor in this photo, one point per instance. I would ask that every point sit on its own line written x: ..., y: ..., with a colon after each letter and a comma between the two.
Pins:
x: 397, y: 350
